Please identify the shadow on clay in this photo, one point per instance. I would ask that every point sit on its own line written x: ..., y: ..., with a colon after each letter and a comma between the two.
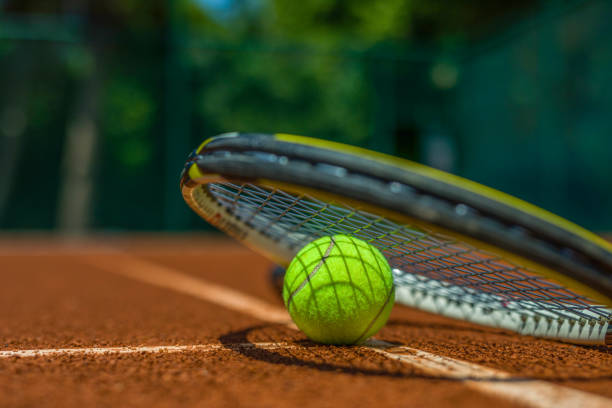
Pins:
x: 446, y: 326
x: 290, y: 357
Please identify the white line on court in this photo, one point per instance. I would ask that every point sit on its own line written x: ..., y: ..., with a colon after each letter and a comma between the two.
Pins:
x: 436, y: 365
x: 496, y: 383
x: 532, y: 393
x: 142, y: 349
x: 158, y: 275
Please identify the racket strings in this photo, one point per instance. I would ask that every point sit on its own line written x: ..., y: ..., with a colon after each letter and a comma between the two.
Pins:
x: 460, y: 296
x: 492, y: 276
x: 433, y: 263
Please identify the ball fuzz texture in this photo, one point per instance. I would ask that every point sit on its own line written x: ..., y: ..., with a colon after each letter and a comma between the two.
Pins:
x: 339, y: 290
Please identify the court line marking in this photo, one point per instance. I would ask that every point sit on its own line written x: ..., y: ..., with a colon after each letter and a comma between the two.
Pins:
x: 496, y: 383
x: 141, y: 349
x: 158, y: 275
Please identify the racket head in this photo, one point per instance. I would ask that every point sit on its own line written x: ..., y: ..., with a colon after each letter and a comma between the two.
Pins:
x: 457, y: 248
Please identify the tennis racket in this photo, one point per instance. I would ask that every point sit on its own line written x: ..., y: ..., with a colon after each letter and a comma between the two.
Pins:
x: 456, y: 248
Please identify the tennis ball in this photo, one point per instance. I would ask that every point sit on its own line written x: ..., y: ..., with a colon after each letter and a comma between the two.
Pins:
x: 339, y: 290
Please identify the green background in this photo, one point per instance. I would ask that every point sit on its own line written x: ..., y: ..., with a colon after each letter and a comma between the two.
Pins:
x: 516, y: 96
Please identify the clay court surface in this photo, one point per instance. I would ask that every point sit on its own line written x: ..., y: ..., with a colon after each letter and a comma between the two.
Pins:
x: 193, y: 320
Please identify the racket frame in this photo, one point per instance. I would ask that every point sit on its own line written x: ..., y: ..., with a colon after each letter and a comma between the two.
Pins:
x: 202, y: 169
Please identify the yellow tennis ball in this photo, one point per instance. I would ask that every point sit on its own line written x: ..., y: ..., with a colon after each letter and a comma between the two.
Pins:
x: 339, y: 290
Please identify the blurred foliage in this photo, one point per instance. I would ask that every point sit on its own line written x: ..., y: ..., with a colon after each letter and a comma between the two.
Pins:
x: 128, y: 117
x: 320, y: 95
x: 410, y: 77
x: 433, y: 21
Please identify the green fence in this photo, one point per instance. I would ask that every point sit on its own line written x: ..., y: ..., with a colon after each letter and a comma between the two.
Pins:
x: 107, y: 122
x: 532, y: 113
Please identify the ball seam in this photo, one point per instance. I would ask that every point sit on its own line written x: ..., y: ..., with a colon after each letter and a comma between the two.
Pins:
x: 313, y: 272
x: 369, y: 326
